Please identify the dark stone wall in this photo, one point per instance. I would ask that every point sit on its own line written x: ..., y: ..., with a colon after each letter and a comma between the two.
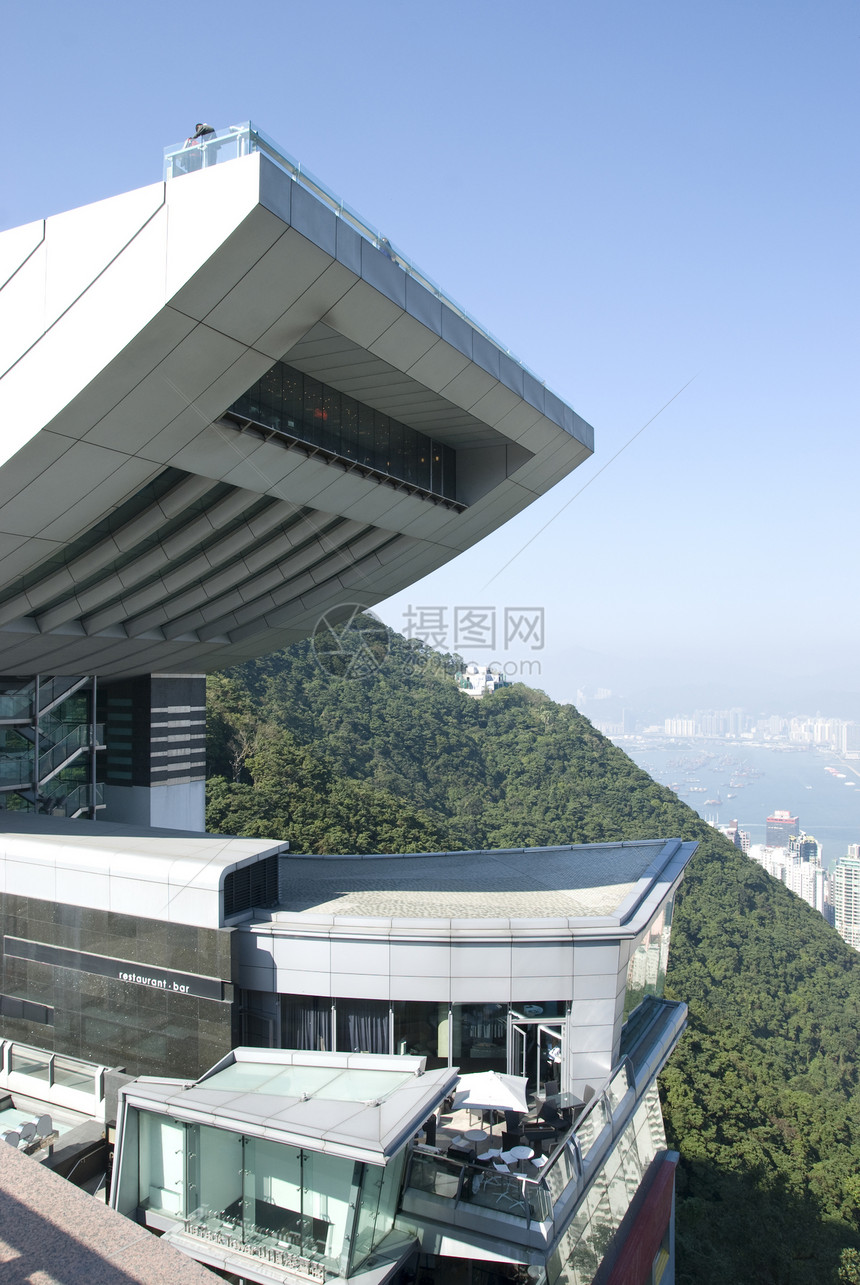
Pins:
x: 65, y: 1007
x: 155, y: 730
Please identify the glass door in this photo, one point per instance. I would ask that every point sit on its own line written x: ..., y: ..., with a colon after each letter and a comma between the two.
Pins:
x: 550, y: 1050
x: 517, y: 1050
x: 535, y: 1050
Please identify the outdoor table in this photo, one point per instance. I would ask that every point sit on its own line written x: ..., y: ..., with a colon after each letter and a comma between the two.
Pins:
x: 475, y: 1135
x: 566, y: 1103
x: 521, y: 1153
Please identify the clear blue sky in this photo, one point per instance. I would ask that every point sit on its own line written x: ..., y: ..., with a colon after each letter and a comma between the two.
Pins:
x: 631, y: 194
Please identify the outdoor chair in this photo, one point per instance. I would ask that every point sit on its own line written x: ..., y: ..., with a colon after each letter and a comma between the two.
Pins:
x: 535, y: 1134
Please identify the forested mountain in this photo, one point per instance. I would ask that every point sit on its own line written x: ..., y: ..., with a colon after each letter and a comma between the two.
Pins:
x: 762, y: 1098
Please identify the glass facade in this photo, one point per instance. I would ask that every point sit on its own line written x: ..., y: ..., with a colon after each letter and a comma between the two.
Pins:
x: 301, y: 408
x: 306, y: 1023
x: 47, y: 747
x: 363, y: 1026
x: 421, y: 1029
x: 262, y: 1197
x: 480, y: 1037
x: 581, y: 1249
x: 473, y: 1037
x: 646, y: 972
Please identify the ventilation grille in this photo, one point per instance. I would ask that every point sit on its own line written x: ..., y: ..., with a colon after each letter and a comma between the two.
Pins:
x: 250, y: 886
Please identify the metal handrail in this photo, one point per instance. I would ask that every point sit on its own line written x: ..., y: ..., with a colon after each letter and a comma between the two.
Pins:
x: 247, y: 138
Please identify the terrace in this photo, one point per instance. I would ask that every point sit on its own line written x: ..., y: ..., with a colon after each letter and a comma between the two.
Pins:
x: 578, y: 1183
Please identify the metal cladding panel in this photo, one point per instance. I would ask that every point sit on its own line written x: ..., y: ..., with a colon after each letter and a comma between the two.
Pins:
x: 139, y: 321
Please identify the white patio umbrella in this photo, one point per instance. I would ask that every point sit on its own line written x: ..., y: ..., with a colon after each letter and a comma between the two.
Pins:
x: 491, y: 1091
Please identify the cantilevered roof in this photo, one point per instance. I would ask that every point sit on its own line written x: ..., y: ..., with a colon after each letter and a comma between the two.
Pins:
x: 356, y: 1105
x: 142, y: 526
x: 172, y: 875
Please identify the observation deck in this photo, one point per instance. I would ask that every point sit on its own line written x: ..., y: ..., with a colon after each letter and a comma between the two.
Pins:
x: 234, y: 408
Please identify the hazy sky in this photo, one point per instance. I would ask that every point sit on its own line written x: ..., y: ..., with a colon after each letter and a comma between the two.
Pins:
x: 632, y: 194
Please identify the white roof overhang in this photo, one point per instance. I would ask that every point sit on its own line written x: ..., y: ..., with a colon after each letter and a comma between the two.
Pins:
x: 140, y: 530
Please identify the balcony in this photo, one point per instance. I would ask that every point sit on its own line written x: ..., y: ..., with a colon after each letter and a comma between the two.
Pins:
x: 590, y: 1173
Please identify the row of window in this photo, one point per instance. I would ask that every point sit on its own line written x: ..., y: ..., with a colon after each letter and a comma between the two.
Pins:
x: 471, y: 1036
x: 230, y: 1187
x: 295, y: 404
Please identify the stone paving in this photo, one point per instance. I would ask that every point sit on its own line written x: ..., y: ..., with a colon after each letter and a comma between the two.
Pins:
x: 518, y: 884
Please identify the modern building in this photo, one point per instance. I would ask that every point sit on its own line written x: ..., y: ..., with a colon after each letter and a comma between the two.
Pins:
x: 804, y: 847
x: 161, y: 952
x: 547, y: 964
x: 846, y: 899
x: 252, y: 415
x: 779, y: 828
x: 234, y: 412
x: 798, y: 866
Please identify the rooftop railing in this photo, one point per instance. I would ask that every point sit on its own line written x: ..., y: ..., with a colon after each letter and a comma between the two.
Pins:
x: 576, y: 1155
x: 240, y: 140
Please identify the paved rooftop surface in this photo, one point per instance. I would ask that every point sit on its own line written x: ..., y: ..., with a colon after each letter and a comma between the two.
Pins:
x: 53, y: 1233
x: 527, y: 883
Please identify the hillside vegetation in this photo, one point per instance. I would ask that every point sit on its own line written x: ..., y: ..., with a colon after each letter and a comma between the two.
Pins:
x: 762, y: 1097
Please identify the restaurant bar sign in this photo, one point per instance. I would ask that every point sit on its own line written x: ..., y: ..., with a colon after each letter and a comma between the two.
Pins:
x: 161, y: 979
x: 180, y: 983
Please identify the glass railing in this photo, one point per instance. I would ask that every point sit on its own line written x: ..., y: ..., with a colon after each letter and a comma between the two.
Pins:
x: 80, y: 799
x: 52, y: 1069
x: 16, y: 769
x: 620, y: 1085
x: 17, y: 706
x: 32, y: 1062
x: 240, y: 140
x: 481, y: 1186
x: 521, y: 1195
x: 54, y: 690
x: 591, y: 1125
x: 78, y: 738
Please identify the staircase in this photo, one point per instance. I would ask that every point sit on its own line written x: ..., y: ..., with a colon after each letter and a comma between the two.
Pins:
x: 53, y: 745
